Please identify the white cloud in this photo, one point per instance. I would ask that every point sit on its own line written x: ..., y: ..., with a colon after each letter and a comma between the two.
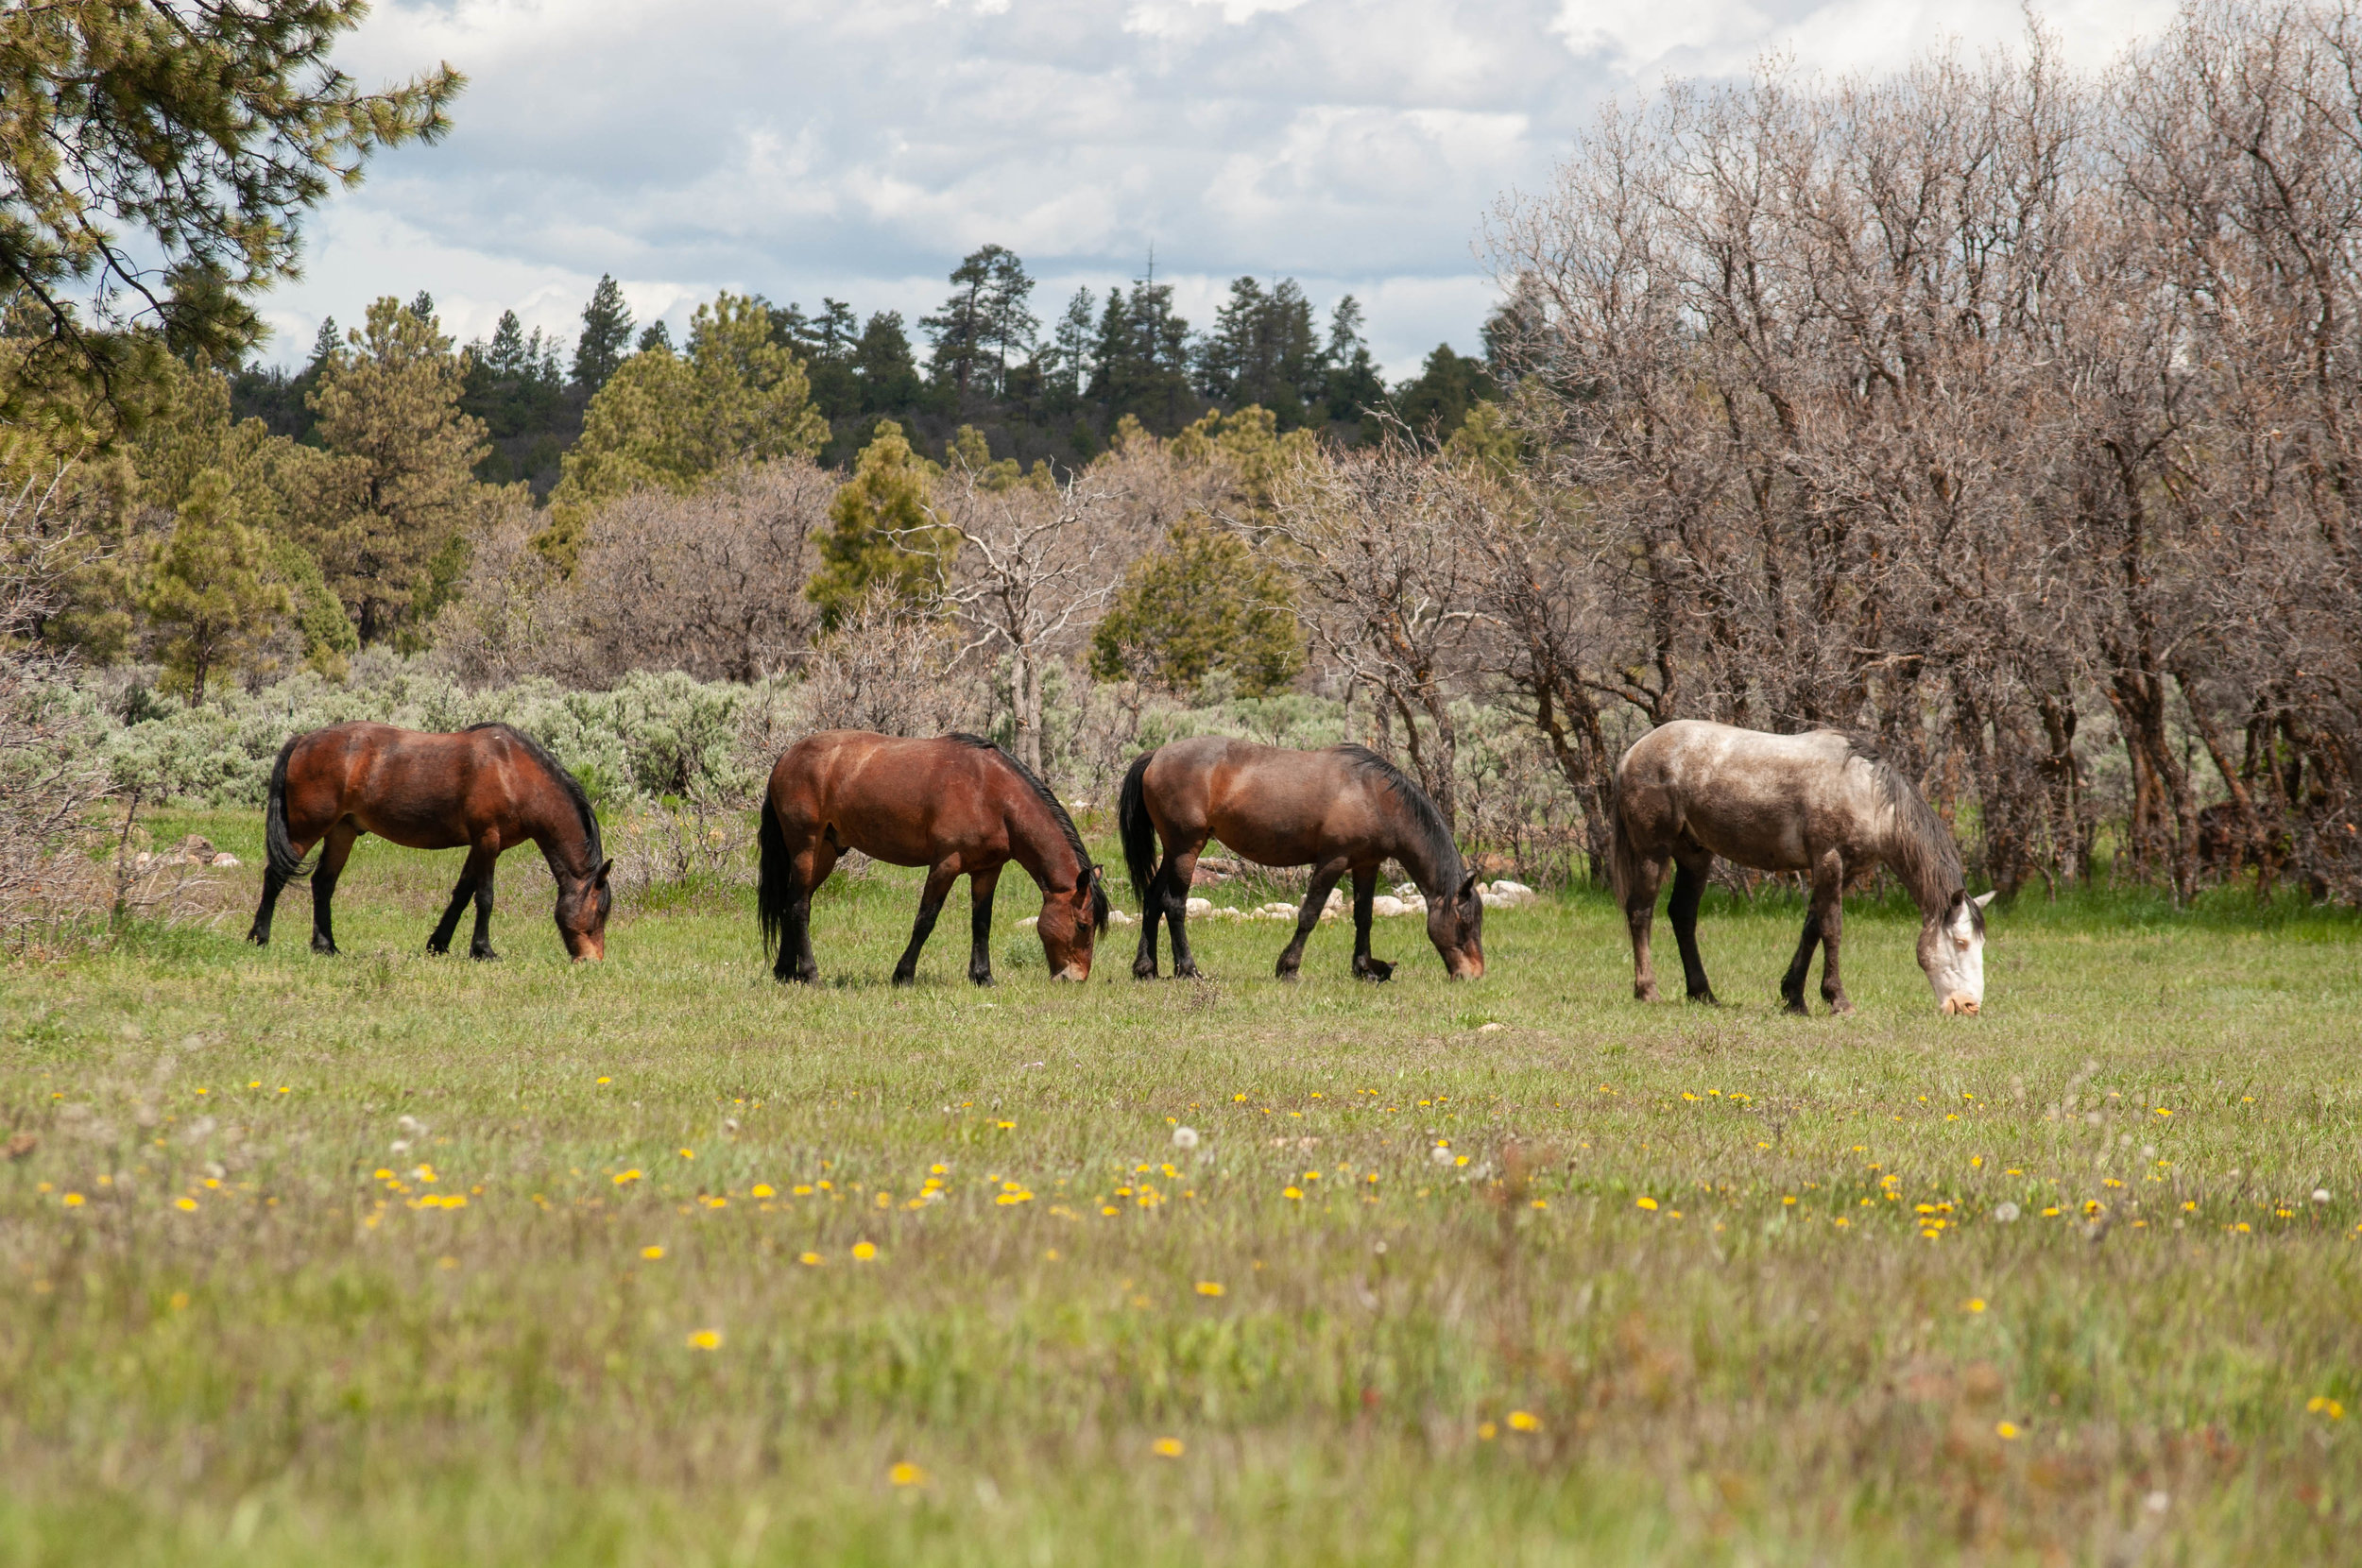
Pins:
x: 812, y: 146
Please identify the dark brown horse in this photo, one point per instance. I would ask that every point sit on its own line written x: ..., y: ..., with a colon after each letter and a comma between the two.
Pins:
x: 1822, y: 804
x: 1344, y: 809
x: 957, y: 806
x: 488, y: 790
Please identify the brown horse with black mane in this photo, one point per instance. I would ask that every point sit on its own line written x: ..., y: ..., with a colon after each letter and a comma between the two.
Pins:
x: 488, y: 790
x: 1344, y: 809
x: 958, y: 806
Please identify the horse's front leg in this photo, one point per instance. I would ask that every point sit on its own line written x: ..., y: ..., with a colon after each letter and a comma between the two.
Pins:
x: 930, y: 900
x: 1639, y: 915
x: 1364, y: 892
x: 485, y: 855
x: 1315, y: 899
x: 1690, y: 886
x: 980, y: 889
x: 332, y: 856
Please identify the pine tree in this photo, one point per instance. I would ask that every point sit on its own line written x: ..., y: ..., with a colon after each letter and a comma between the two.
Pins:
x: 984, y: 324
x: 1142, y: 357
x: 209, y: 596
x: 883, y: 366
x: 656, y: 335
x: 1200, y: 604
x: 879, y: 532
x: 606, y: 335
x: 1352, y: 383
x: 404, y: 487
x: 1066, y: 365
x: 1447, y: 386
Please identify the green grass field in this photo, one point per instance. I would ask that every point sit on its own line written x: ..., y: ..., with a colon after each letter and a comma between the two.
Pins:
x: 680, y: 1266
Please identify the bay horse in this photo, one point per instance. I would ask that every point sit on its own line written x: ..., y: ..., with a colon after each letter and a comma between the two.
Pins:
x: 1344, y: 809
x: 957, y: 805
x: 1821, y: 803
x: 486, y: 789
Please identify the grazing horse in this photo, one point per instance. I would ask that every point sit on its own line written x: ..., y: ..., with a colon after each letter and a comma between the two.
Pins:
x: 487, y: 789
x: 1820, y: 803
x: 1345, y: 809
x: 957, y: 806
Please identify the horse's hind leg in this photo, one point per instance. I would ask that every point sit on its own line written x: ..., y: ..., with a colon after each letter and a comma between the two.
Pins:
x: 1829, y: 897
x: 980, y: 889
x: 930, y: 900
x: 1690, y: 886
x: 273, y: 885
x: 808, y: 869
x: 1315, y: 899
x: 1180, y: 870
x: 1639, y: 915
x: 1152, y: 916
x: 332, y: 856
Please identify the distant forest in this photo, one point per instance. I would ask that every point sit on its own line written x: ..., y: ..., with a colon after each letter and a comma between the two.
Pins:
x: 984, y: 359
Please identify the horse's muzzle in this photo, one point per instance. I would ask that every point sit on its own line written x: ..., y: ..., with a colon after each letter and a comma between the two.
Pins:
x: 1960, y: 1002
x: 1074, y: 972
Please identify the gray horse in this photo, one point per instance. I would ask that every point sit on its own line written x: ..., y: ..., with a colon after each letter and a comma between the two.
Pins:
x: 1820, y: 803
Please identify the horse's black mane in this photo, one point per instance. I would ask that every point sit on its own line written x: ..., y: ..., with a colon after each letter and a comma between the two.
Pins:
x: 1921, y: 851
x: 571, y: 785
x: 1057, y: 814
x: 1435, y: 838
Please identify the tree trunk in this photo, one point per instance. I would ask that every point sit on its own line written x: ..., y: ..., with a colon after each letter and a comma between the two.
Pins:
x: 1025, y: 697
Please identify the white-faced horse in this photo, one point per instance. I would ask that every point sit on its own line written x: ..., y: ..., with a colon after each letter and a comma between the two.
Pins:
x: 1820, y: 803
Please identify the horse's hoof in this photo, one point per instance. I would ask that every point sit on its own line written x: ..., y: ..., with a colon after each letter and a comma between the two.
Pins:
x: 1707, y: 998
x: 900, y: 979
x: 326, y: 949
x: 1794, y: 1007
x: 438, y: 949
x: 1839, y: 1006
x: 975, y: 979
x: 260, y: 939
x: 1377, y: 972
x: 1185, y: 971
x: 1143, y: 971
x: 483, y: 955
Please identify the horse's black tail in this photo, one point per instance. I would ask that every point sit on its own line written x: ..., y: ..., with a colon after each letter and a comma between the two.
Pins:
x: 774, y: 882
x: 278, y: 848
x: 1140, y: 834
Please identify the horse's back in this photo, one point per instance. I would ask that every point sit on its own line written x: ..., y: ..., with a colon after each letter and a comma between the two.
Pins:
x: 1769, y: 801
x: 905, y: 801
x: 422, y: 789
x: 1271, y: 804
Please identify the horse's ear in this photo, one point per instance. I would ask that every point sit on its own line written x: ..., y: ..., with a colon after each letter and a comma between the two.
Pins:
x: 600, y: 880
x: 1983, y: 898
x: 1468, y: 888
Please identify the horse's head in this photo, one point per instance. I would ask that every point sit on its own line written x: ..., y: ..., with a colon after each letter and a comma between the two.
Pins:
x: 1952, y: 951
x: 583, y: 905
x: 1070, y: 923
x: 1455, y: 923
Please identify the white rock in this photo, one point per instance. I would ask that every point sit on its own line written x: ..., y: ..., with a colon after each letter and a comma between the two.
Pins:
x: 1505, y: 885
x: 1029, y: 922
x: 225, y: 857
x: 1117, y: 917
x: 1386, y: 907
x: 1197, y: 907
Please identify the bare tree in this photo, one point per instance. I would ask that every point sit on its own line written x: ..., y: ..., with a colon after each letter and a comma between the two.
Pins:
x: 886, y: 669
x: 1035, y: 562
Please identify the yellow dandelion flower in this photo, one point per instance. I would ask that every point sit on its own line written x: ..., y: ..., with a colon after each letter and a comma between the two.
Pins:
x: 652, y: 1253
x: 762, y: 1189
x: 864, y: 1251
x: 1973, y: 1304
x: 1291, y: 1192
x: 2321, y: 1405
x: 180, y: 1301
x: 1486, y: 1431
x: 1644, y: 1202
x: 906, y: 1474
x: 1169, y: 1448
x: 625, y: 1178
x: 809, y: 1260
x: 606, y: 1080
x: 1209, y: 1288
x: 688, y: 1154
x: 186, y: 1205
x: 2006, y: 1431
x: 801, y: 1191
x: 1524, y: 1420
x: 706, y: 1338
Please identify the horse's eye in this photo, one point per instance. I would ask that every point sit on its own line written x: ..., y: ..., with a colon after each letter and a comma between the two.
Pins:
x: 1962, y: 942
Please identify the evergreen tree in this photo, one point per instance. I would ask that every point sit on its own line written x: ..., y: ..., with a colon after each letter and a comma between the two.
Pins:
x: 512, y: 381
x: 668, y: 419
x: 828, y: 344
x: 1263, y: 350
x: 984, y: 323
x: 1447, y: 386
x: 1200, y: 603
x: 209, y: 597
x: 606, y: 335
x: 1066, y: 364
x: 883, y: 366
x: 879, y: 530
x: 1352, y: 383
x: 404, y: 487
x: 1141, y: 358
x: 656, y: 334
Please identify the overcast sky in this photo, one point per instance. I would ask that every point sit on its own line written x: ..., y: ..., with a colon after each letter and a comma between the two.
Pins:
x: 858, y: 148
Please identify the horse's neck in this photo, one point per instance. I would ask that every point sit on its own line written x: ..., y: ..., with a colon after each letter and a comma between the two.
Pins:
x: 1930, y: 878
x: 1042, y: 849
x: 565, y: 845
x: 1434, y: 877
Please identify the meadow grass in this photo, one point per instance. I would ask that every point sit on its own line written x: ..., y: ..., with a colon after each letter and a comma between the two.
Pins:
x: 675, y: 1265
